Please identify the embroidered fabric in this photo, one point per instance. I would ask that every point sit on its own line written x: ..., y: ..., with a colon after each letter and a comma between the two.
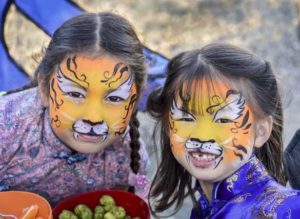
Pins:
x: 249, y: 193
x: 141, y: 184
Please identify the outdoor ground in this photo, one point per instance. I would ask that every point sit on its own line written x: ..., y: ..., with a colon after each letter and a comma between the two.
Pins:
x: 268, y: 27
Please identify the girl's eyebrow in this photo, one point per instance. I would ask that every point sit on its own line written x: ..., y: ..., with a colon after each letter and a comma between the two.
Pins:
x: 110, y: 90
x: 191, y: 112
x: 61, y: 74
x: 218, y: 107
x: 231, y: 107
x: 122, y: 85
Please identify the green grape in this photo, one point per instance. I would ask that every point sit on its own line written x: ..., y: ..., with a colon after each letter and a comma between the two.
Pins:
x: 109, y: 215
x: 119, y: 212
x: 66, y: 214
x: 107, y: 200
x: 83, y: 212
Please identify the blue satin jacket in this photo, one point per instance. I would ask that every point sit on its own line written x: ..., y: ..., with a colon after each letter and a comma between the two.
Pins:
x: 249, y: 193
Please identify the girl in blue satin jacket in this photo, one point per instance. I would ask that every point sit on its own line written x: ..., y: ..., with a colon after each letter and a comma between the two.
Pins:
x: 220, y: 120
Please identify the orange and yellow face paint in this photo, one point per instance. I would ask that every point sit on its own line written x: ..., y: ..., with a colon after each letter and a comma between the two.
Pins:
x: 91, y: 101
x: 214, y: 135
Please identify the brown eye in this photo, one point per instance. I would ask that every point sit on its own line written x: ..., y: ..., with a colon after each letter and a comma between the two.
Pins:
x: 186, y: 119
x: 114, y: 99
x: 75, y: 94
x: 222, y: 120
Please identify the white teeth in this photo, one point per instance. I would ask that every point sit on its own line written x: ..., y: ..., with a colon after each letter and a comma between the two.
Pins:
x: 200, y: 156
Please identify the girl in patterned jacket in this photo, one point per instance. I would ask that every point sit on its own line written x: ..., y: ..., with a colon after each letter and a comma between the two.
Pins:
x: 221, y: 133
x: 74, y: 128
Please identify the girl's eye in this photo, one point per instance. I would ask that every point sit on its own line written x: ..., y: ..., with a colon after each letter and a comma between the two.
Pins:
x: 223, y: 120
x: 114, y: 99
x: 75, y: 94
x: 186, y: 119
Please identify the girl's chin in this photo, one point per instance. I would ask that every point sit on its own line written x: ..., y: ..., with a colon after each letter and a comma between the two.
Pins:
x: 209, y: 178
x: 89, y: 147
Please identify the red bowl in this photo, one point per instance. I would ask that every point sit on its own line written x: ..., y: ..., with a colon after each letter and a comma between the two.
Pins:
x: 133, y: 204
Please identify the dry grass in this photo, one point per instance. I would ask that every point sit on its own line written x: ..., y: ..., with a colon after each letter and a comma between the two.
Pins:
x: 167, y: 26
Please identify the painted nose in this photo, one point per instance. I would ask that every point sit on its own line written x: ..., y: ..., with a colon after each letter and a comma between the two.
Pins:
x: 201, y: 141
x: 94, y: 113
x: 93, y: 123
x: 204, y: 132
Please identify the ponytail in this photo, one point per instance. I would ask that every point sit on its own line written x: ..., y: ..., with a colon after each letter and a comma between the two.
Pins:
x: 135, y: 146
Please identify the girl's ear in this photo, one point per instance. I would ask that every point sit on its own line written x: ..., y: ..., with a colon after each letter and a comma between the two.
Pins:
x: 263, y: 131
x: 43, y: 95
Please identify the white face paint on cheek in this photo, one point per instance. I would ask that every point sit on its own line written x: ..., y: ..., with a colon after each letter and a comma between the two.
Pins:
x: 67, y: 116
x: 178, y: 147
x: 179, y: 139
x: 117, y: 125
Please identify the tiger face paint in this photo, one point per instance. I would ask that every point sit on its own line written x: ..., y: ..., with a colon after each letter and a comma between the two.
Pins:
x: 216, y: 136
x: 91, y: 101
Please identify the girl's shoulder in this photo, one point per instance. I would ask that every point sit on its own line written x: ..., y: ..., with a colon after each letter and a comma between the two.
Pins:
x: 19, y: 108
x: 290, y: 205
x: 20, y: 103
x: 20, y: 119
x: 278, y: 202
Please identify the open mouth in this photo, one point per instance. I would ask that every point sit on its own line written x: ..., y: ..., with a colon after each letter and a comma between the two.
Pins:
x: 89, y: 138
x: 203, y: 156
x: 203, y: 159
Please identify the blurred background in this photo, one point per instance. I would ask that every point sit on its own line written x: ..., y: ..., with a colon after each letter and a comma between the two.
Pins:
x: 270, y: 28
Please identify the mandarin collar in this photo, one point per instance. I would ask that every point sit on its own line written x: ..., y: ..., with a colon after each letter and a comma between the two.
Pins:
x: 250, y: 174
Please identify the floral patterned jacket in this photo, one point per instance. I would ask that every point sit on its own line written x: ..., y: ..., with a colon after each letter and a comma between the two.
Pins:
x: 33, y: 159
x: 250, y: 193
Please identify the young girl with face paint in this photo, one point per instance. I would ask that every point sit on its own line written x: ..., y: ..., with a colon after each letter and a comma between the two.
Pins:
x: 221, y: 128
x: 74, y: 129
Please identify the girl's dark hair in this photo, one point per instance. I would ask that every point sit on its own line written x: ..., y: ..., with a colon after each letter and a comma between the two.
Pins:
x: 94, y: 35
x: 256, y: 81
x: 134, y: 145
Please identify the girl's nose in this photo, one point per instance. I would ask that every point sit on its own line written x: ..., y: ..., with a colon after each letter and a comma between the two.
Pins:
x: 94, y: 112
x: 93, y: 123
x: 204, y: 132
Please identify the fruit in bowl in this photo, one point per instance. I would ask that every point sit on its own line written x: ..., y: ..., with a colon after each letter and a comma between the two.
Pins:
x: 24, y: 205
x: 102, y: 204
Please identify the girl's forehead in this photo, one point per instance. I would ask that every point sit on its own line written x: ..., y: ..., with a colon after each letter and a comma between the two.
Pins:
x: 93, y: 73
x: 203, y: 89
x: 200, y: 95
x: 81, y: 61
